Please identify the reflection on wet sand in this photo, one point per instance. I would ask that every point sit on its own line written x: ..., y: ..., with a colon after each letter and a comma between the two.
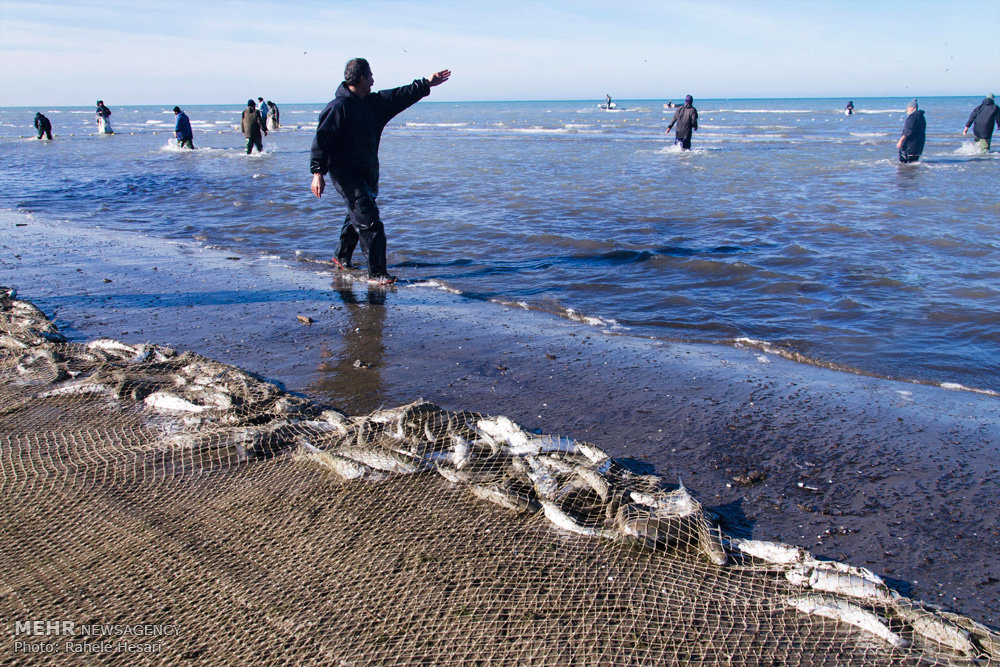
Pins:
x: 352, y: 375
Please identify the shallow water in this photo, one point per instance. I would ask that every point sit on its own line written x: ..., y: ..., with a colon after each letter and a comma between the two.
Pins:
x: 789, y: 224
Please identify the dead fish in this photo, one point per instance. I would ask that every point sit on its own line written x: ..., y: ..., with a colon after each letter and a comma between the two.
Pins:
x: 502, y: 430
x: 384, y: 459
x: 639, y: 525
x: 986, y: 639
x: 336, y: 419
x: 82, y: 388
x: 12, y: 343
x: 479, y: 471
x: 836, y: 581
x: 594, y: 480
x: 592, y: 452
x: 670, y: 503
x: 505, y: 496
x: 170, y: 402
x: 833, y: 565
x: 931, y: 626
x: 771, y: 552
x: 563, y: 520
x: 847, y: 612
x: 347, y: 469
x: 545, y: 480
x: 120, y: 350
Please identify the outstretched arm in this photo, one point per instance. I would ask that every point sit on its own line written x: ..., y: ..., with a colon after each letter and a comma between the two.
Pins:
x: 437, y: 78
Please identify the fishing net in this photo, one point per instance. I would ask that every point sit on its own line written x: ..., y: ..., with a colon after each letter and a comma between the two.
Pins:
x: 157, y: 503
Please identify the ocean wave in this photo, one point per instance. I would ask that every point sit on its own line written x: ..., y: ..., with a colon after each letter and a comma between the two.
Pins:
x: 767, y: 111
x: 413, y: 124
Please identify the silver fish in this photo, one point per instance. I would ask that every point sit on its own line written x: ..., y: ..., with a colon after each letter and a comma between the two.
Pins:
x: 505, y: 432
x: 931, y: 626
x: 847, y: 612
x: 833, y: 565
x: 384, y: 459
x: 771, y: 552
x: 505, y: 496
x: 347, y: 469
x: 563, y: 520
x: 82, y: 388
x: 594, y: 480
x: 170, y: 402
x: 666, y: 504
x: 833, y: 580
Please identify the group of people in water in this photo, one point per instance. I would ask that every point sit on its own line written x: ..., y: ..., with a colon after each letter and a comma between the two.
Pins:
x: 910, y: 145
x: 256, y: 121
x: 982, y: 121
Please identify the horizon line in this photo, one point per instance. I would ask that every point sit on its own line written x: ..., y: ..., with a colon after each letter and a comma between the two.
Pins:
x: 584, y: 100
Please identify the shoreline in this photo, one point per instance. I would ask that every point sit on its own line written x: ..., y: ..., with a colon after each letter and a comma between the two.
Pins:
x: 898, y: 477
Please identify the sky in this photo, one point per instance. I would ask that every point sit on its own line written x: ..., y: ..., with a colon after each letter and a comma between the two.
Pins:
x: 133, y: 52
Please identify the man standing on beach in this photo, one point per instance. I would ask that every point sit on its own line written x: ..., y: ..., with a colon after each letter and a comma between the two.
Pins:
x: 686, y: 119
x: 911, y: 144
x: 346, y: 147
x: 252, y: 127
x: 982, y: 119
x: 182, y: 128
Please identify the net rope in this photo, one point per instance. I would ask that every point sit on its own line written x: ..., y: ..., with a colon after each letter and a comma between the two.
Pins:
x: 141, y: 485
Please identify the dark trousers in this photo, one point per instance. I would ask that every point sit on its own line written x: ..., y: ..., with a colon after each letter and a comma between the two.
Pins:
x: 188, y: 143
x: 47, y: 131
x: 255, y: 141
x: 363, y: 223
x: 905, y: 157
x: 683, y: 142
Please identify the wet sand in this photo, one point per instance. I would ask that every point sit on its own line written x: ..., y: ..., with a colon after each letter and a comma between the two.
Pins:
x: 898, y: 477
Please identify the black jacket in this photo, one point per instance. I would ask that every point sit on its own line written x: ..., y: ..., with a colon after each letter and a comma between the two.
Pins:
x: 350, y: 128
x: 182, y: 127
x: 983, y: 118
x: 914, y: 133
x: 686, y: 119
x: 42, y: 123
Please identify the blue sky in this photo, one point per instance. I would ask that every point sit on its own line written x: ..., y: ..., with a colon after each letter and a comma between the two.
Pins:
x: 218, y: 51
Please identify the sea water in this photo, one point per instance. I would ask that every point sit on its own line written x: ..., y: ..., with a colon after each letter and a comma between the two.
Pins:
x: 790, y: 225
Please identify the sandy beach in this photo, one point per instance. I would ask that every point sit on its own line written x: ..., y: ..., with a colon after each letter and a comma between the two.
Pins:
x: 901, y: 478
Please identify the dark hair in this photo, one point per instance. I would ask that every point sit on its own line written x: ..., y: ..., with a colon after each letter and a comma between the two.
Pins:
x: 251, y: 104
x: 177, y: 109
x: 355, y: 70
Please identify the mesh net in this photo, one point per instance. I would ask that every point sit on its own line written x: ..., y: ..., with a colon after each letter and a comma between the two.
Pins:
x: 183, y: 508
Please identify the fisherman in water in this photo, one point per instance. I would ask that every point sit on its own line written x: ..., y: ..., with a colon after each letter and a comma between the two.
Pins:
x: 103, y: 118
x: 686, y: 119
x: 346, y: 147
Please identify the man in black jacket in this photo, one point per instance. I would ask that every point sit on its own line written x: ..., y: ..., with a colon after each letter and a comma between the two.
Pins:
x: 911, y: 144
x: 346, y: 147
x: 686, y: 118
x: 982, y: 119
x: 43, y: 125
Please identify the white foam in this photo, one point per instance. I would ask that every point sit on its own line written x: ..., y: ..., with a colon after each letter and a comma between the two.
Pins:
x: 539, y: 130
x: 766, y: 111
x: 437, y: 284
x: 955, y: 386
x: 591, y: 320
x: 411, y: 124
x: 970, y: 149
